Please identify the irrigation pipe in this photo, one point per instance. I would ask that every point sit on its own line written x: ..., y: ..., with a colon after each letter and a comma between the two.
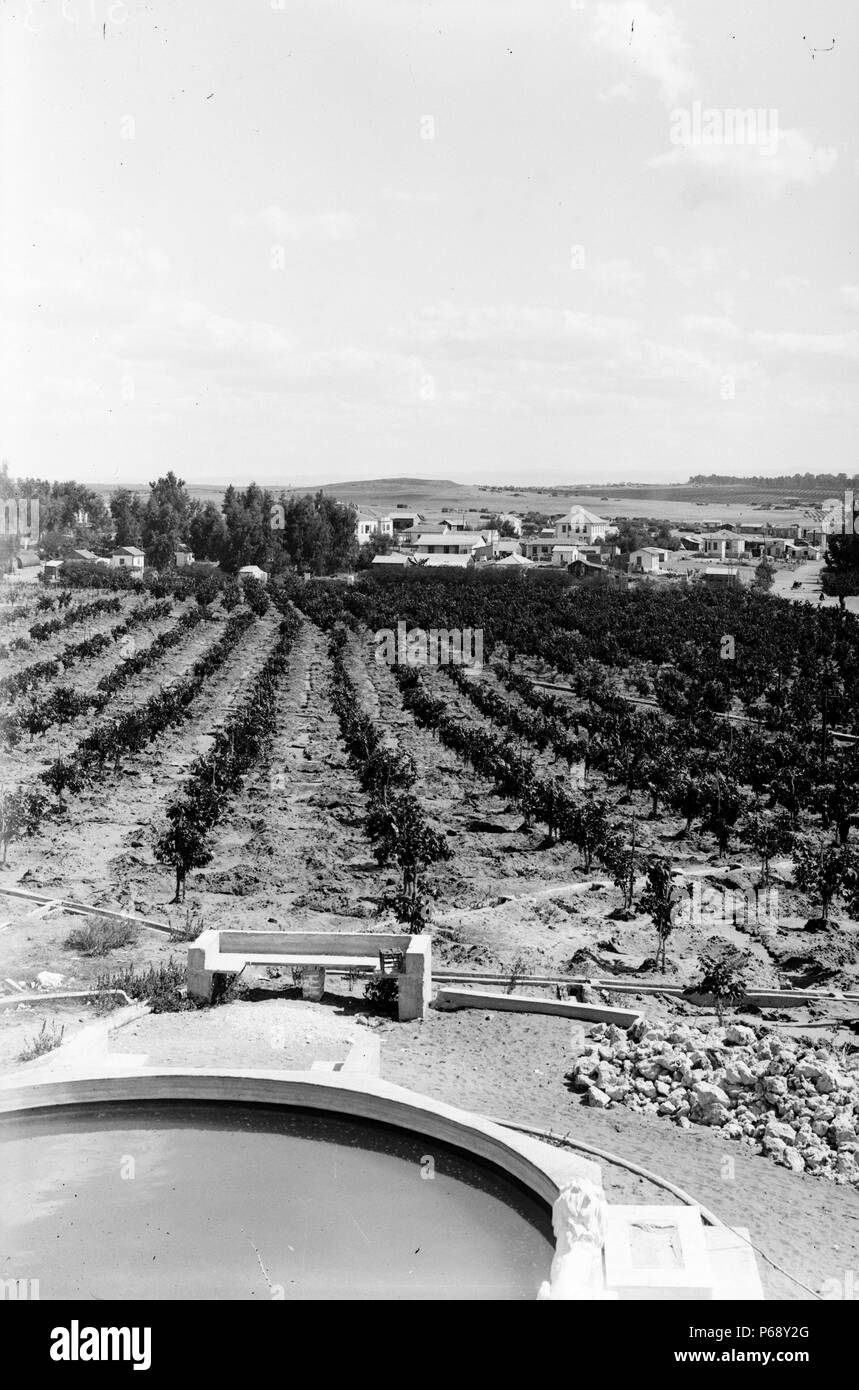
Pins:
x: 709, y: 1216
x: 87, y: 910
x: 626, y: 986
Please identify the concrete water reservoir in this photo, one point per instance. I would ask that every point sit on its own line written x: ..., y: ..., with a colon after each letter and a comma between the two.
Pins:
x: 194, y: 1185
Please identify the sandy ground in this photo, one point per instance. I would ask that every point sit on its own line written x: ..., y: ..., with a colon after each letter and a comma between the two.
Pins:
x: 809, y: 591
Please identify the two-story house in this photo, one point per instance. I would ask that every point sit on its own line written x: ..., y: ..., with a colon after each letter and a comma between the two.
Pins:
x: 370, y: 523
x: 581, y: 525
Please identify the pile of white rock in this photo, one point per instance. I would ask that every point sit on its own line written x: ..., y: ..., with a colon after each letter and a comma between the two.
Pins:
x: 787, y: 1099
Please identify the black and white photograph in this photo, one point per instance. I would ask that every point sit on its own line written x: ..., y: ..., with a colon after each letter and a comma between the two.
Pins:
x: 429, y: 667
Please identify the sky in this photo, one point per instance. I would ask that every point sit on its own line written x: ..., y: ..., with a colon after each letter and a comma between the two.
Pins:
x: 303, y: 241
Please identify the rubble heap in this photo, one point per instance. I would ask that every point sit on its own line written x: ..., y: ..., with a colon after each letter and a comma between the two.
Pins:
x: 779, y: 1095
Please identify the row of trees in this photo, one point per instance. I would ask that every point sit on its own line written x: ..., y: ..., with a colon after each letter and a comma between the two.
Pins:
x: 780, y: 782
x: 252, y: 526
x: 40, y: 632
x: 824, y: 870
x: 184, y: 841
x: 106, y: 743
x: 35, y: 715
x: 687, y: 764
x: 396, y: 826
x: 38, y: 671
x: 131, y: 731
x: 70, y: 514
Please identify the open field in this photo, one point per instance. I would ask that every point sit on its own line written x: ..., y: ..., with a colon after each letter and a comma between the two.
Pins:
x: 434, y: 498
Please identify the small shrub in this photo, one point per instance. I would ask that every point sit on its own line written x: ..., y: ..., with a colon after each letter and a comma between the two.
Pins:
x: 45, y: 1041
x: 161, y: 986
x: 98, y: 938
x: 231, y: 595
x: 256, y: 597
x: 412, y: 910
x: 102, y: 1004
x: 723, y: 975
x: 382, y: 992
x: 192, y: 926
x: 207, y: 591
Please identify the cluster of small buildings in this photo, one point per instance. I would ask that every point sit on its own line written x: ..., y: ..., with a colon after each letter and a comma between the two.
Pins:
x: 583, y: 543
x: 744, y: 542
x: 445, y: 545
x: 27, y: 567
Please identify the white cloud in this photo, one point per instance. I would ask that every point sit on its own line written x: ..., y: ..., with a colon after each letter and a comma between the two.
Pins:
x: 66, y: 273
x: 513, y: 332
x: 721, y: 170
x: 401, y: 195
x: 809, y: 346
x: 95, y: 309
x: 618, y: 91
x: 850, y: 296
x: 702, y: 263
x: 170, y: 331
x: 617, y: 276
x: 290, y: 226
x: 792, y: 284
x: 645, y: 41
x: 515, y: 359
x: 711, y: 326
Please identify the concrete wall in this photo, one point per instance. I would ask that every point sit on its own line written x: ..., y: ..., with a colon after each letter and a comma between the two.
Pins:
x: 309, y: 943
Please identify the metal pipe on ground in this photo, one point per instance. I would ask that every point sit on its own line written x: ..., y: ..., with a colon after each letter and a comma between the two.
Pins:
x: 88, y: 910
x: 796, y: 997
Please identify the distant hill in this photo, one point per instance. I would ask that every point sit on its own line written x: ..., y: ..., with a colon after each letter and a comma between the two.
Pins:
x: 741, y: 499
x: 389, y: 484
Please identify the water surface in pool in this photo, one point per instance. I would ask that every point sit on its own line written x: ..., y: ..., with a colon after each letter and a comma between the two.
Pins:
x: 187, y: 1200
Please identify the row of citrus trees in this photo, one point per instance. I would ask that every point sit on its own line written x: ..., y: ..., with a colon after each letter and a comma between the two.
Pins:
x: 713, y: 793
x: 37, y: 672
x: 761, y: 786
x: 579, y: 820
x: 102, y: 749
x: 64, y: 704
x: 11, y: 611
x: 184, y: 841
x: 40, y: 632
x: 758, y: 782
x: 399, y: 832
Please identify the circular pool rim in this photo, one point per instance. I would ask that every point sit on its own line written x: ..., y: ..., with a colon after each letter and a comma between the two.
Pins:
x: 540, y: 1168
